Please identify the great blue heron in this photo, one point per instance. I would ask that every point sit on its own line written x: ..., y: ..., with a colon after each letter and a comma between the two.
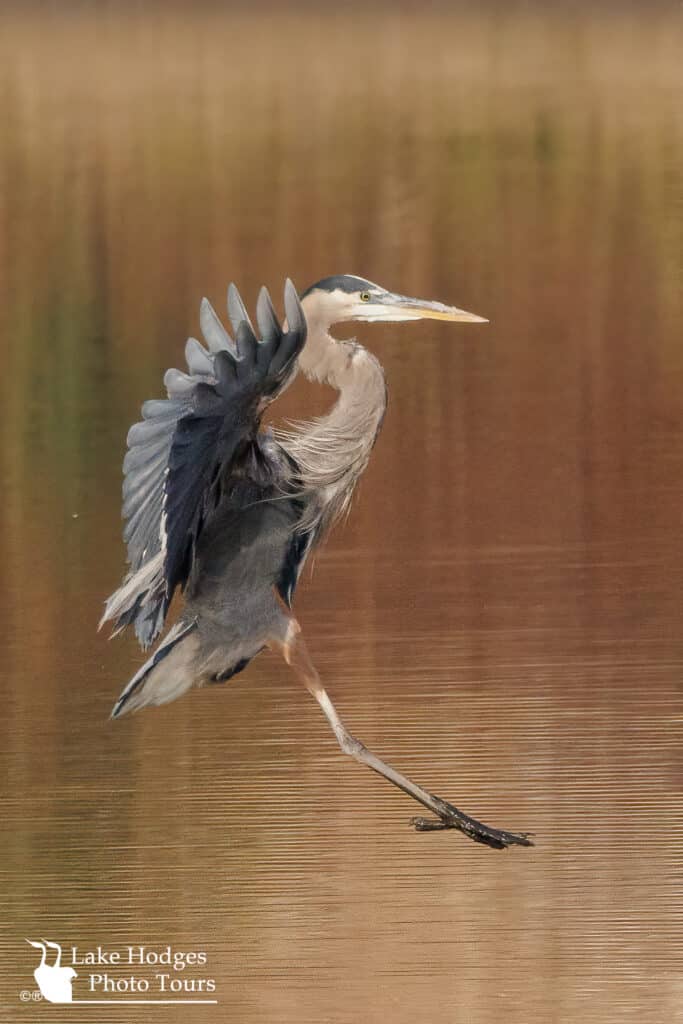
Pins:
x: 229, y: 512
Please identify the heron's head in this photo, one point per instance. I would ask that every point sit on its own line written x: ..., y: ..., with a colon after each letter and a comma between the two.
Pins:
x: 346, y: 297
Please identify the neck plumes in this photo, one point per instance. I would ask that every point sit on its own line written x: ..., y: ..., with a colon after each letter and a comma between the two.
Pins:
x: 333, y: 450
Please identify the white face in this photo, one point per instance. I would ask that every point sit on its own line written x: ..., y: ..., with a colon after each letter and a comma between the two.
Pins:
x: 374, y: 304
x: 371, y: 311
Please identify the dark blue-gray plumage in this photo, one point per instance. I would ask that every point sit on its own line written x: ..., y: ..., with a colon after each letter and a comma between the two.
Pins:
x: 228, y: 512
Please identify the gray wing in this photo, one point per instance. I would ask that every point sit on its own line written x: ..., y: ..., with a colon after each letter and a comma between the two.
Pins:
x: 183, y: 453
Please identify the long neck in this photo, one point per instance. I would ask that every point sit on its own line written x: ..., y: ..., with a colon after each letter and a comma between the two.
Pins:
x: 326, y: 360
x: 333, y: 450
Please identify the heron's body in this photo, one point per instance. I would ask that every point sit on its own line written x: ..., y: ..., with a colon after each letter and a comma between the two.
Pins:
x: 230, y: 512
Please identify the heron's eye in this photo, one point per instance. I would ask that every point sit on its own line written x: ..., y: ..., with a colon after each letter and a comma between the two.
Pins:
x: 365, y: 296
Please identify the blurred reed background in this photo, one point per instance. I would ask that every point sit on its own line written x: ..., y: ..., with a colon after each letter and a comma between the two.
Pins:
x: 501, y: 614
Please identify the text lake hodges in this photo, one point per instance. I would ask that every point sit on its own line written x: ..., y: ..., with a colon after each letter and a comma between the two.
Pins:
x: 137, y: 956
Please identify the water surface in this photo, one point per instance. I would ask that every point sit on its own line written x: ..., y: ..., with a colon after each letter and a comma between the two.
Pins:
x: 500, y: 616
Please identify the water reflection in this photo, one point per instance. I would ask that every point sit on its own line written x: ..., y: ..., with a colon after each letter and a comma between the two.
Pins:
x: 500, y: 615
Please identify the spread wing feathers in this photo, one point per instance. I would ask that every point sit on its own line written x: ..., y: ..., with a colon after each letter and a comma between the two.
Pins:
x: 183, y: 453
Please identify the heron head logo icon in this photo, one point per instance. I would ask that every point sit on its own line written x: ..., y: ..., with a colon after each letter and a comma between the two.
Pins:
x: 53, y: 981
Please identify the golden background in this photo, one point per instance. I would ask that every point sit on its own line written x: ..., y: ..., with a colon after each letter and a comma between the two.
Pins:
x: 500, y: 616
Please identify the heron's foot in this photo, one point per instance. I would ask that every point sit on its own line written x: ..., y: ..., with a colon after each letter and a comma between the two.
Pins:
x: 451, y: 817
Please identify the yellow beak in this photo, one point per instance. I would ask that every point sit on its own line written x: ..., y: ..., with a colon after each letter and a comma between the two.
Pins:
x: 448, y: 313
x: 419, y: 308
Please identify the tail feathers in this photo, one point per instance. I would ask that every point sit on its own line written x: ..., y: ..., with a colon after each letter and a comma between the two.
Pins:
x: 141, y: 599
x: 168, y: 674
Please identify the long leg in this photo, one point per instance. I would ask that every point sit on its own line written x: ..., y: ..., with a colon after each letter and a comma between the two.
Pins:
x: 448, y: 816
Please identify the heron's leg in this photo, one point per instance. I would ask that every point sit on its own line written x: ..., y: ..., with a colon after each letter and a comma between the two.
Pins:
x: 295, y: 654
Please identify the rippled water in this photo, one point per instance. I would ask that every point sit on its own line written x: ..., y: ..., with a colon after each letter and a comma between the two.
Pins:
x: 500, y: 616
